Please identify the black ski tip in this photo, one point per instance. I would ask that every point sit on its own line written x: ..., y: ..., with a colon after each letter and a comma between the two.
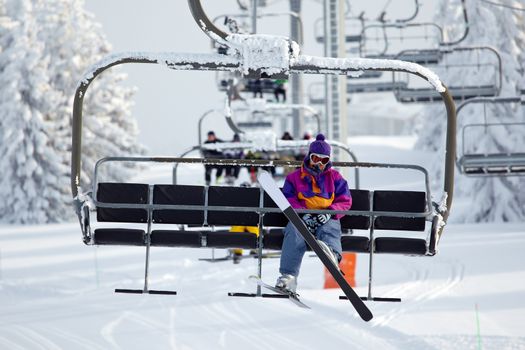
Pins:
x: 366, y: 315
x: 129, y: 291
x: 163, y: 292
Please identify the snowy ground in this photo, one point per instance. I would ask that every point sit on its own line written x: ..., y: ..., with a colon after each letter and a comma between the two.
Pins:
x: 56, y: 293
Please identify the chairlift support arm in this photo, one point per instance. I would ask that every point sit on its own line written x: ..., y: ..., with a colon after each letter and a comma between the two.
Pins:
x: 465, y: 32
x: 271, y: 14
x: 408, y: 19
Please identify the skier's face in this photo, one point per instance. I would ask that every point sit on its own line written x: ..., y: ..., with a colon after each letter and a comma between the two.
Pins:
x: 319, y: 161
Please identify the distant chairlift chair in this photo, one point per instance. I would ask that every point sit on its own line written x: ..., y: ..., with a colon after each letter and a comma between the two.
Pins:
x: 415, y: 34
x: 497, y: 163
x: 482, y: 64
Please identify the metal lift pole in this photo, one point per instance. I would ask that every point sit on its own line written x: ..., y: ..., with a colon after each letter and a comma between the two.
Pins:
x: 254, y: 16
x: 335, y: 88
x: 296, y: 80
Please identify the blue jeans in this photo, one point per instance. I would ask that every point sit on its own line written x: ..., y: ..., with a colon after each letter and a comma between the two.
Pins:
x: 294, y: 245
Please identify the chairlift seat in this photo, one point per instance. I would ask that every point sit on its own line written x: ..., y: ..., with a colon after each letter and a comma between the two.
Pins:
x: 422, y: 57
x: 367, y: 74
x: 425, y: 57
x: 382, y: 86
x: 495, y: 163
x: 458, y: 93
x: 399, y: 245
x: 314, y: 100
x: 233, y: 197
x: 245, y: 198
x: 360, y: 202
x: 227, y: 239
x: 349, y: 38
x: 256, y: 124
x: 122, y: 193
x: 119, y: 236
x: 176, y: 238
x: 178, y: 195
x: 399, y: 201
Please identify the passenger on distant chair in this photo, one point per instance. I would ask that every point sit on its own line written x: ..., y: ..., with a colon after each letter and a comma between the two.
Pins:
x: 210, y: 154
x: 315, y: 185
x: 232, y: 171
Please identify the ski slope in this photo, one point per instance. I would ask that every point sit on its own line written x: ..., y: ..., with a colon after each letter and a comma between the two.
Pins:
x: 56, y: 293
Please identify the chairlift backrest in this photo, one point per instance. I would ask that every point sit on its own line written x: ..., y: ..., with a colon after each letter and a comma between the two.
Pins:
x: 129, y: 193
x: 182, y: 194
x: 406, y: 201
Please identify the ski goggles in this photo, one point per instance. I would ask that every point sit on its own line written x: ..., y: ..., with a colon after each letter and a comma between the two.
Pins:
x: 319, y: 158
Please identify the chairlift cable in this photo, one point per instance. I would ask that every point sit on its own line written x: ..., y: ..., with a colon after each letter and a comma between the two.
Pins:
x: 386, y: 5
x: 381, y: 17
x: 503, y: 5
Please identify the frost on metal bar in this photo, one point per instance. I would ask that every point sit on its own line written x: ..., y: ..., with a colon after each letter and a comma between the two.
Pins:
x: 329, y: 64
x: 268, y: 54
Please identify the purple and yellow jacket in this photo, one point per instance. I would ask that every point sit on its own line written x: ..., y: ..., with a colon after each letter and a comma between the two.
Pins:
x: 306, y: 189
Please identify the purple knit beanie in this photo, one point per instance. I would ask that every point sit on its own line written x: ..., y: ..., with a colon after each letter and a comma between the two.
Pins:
x: 320, y: 146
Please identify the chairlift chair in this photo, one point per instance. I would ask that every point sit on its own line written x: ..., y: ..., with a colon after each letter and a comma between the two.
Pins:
x: 500, y: 163
x: 280, y: 145
x: 420, y: 56
x: 354, y: 24
x: 385, y: 41
x: 150, y: 205
x: 424, y: 40
x: 486, y: 65
x: 270, y: 112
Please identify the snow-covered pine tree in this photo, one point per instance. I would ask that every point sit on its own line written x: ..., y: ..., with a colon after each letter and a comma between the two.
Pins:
x: 46, y: 46
x: 483, y: 199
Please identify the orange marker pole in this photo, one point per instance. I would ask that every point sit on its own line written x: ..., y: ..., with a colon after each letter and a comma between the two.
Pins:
x: 347, y: 265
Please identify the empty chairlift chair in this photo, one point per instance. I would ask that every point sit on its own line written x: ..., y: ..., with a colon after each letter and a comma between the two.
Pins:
x: 475, y: 71
x: 504, y: 158
x: 384, y: 41
x: 387, y: 40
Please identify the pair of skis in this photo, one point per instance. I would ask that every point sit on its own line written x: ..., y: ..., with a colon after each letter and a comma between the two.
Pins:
x: 269, y: 185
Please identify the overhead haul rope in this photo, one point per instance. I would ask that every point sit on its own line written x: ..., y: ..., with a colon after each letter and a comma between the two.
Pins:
x: 503, y: 5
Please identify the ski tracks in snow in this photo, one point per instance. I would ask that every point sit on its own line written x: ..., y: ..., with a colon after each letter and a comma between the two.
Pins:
x: 423, y: 289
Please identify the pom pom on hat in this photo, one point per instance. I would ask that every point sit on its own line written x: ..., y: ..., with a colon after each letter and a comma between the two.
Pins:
x: 320, y: 146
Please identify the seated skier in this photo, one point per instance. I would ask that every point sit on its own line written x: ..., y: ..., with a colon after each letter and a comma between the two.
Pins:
x: 315, y: 185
